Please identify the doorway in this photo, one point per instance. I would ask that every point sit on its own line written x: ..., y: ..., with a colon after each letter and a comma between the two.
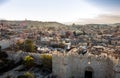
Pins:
x: 88, y: 74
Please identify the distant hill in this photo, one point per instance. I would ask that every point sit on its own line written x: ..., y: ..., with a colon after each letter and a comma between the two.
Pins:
x: 33, y: 23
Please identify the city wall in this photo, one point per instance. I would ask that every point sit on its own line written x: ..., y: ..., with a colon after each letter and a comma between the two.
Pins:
x: 66, y: 65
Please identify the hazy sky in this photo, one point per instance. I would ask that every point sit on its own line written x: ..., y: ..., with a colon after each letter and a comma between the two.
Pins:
x: 79, y: 11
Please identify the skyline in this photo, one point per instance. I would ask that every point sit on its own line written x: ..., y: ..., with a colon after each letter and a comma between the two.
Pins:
x: 64, y: 11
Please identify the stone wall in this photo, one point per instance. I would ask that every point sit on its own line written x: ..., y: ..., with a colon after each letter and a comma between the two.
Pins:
x: 74, y: 65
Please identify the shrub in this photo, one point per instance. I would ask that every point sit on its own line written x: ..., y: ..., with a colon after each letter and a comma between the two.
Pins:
x: 28, y: 61
x: 47, y: 61
x: 26, y: 75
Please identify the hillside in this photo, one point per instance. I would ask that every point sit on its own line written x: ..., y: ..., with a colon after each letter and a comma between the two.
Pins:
x: 32, y: 23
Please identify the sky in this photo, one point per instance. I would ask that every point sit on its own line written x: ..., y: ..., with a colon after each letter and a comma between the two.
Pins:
x: 64, y: 11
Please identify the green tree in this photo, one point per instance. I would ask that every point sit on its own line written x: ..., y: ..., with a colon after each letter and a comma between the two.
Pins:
x: 29, y: 46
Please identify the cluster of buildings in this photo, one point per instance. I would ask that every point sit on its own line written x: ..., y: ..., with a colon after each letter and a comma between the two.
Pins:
x: 79, y: 51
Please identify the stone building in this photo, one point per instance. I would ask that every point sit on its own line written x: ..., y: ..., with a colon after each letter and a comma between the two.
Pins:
x: 74, y: 65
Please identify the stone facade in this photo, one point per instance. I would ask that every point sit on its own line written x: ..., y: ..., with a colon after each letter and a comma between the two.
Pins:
x: 71, y: 65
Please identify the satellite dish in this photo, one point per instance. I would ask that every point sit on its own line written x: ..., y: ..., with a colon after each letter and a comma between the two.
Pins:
x: 84, y: 52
